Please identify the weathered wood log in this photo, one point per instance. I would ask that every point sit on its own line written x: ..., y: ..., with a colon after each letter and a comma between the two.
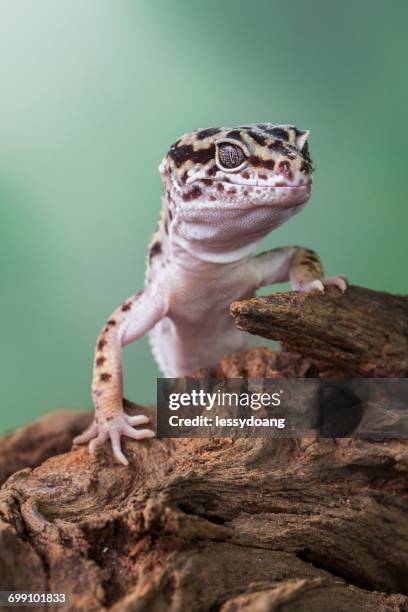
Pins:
x: 47, y: 436
x: 250, y: 524
x: 204, y: 525
x: 361, y: 332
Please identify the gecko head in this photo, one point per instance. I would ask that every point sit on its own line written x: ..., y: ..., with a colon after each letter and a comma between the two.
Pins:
x: 237, y: 182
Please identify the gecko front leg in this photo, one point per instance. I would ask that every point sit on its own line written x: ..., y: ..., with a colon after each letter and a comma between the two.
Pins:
x: 130, y: 321
x: 302, y: 267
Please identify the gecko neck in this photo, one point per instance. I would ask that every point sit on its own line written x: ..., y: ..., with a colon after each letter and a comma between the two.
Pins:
x: 201, y: 240
x: 207, y: 235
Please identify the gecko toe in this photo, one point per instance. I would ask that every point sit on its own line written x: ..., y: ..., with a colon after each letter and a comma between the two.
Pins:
x: 116, y: 447
x: 137, y: 434
x: 86, y: 436
x: 337, y: 281
x: 139, y: 419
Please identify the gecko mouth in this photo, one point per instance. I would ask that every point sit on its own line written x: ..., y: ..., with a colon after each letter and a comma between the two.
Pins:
x: 252, y: 196
x: 260, y: 186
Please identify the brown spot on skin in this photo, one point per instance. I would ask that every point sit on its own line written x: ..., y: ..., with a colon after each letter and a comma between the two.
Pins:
x: 245, y: 192
x: 126, y: 306
x: 170, y: 215
x: 281, y: 184
x: 269, y: 164
x: 100, y: 361
x: 263, y: 177
x: 254, y: 160
x: 207, y: 182
x: 105, y: 377
x: 213, y: 170
x: 111, y: 322
x: 220, y: 187
x: 206, y: 133
x: 155, y: 249
x: 101, y: 344
x: 193, y: 194
x: 285, y: 168
x: 212, y: 198
x: 232, y: 191
x: 245, y: 174
x: 184, y: 176
x: 109, y: 418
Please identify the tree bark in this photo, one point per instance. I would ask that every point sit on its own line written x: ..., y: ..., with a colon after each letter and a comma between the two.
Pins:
x: 362, y: 332
x: 212, y: 524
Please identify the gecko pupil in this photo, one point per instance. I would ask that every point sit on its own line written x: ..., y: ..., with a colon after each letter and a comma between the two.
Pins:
x: 230, y: 155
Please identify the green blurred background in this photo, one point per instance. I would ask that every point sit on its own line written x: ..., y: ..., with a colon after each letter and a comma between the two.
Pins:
x: 92, y: 94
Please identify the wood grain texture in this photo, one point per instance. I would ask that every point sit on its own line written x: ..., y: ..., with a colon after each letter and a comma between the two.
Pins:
x: 362, y: 332
x: 249, y: 524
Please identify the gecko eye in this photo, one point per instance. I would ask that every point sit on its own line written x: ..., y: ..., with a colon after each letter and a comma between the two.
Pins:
x: 229, y: 156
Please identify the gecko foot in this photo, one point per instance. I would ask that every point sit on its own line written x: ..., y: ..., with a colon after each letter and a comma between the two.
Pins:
x: 320, y: 284
x: 107, y: 427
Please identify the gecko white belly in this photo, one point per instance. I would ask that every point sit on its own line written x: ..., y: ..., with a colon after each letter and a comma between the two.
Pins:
x: 198, y: 329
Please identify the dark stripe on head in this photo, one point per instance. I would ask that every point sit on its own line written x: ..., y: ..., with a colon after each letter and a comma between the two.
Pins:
x: 235, y: 134
x: 279, y: 147
x: 184, y: 153
x: 208, y: 132
x: 278, y: 133
x: 261, y: 140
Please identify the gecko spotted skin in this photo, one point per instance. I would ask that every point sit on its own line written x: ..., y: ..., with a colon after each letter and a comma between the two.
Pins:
x: 224, y: 190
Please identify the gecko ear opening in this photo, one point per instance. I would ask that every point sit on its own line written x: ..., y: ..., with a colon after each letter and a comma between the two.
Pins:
x: 302, y: 138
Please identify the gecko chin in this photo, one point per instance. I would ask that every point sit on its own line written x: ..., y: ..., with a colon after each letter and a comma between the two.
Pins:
x: 230, y: 228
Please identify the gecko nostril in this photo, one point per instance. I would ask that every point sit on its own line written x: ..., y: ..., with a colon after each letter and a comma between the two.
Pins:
x: 285, y: 169
x: 304, y: 168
